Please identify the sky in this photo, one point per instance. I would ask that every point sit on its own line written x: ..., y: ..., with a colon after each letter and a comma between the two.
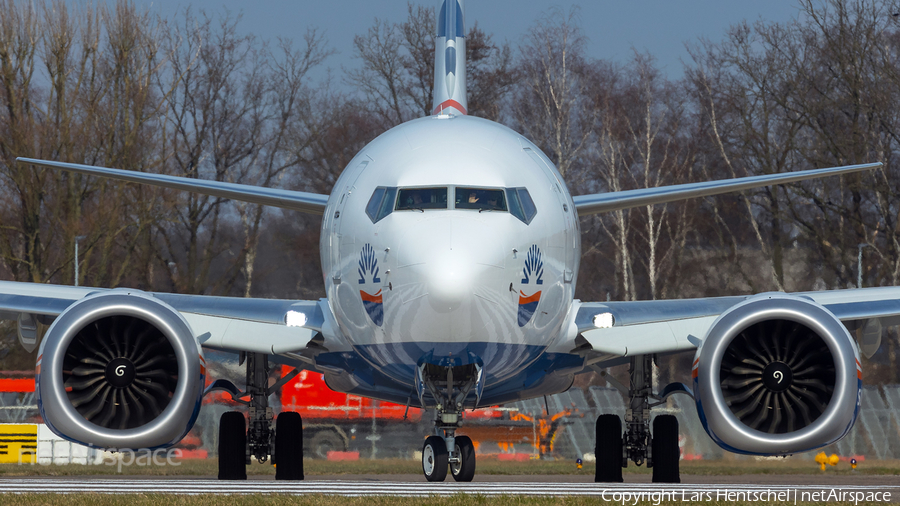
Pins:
x: 615, y: 28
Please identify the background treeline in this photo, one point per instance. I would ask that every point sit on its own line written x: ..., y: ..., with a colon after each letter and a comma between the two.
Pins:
x: 115, y: 86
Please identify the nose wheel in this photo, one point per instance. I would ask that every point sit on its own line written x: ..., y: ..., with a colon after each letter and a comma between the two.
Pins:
x: 435, y: 459
x: 462, y: 465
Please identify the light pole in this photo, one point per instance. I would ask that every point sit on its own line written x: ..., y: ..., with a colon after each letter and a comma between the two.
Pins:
x: 859, y: 270
x: 77, y: 238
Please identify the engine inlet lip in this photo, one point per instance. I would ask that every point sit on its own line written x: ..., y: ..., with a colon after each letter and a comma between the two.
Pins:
x: 729, y: 431
x: 68, y: 422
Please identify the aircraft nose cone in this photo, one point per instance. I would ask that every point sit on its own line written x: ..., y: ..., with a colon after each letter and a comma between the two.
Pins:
x: 450, y: 282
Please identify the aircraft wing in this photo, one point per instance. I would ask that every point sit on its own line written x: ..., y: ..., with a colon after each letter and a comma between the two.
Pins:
x: 270, y: 326
x: 613, y: 201
x: 608, y: 331
x: 311, y: 203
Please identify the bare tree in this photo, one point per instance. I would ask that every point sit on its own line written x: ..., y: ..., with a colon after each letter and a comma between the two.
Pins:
x: 490, y: 74
x: 286, y: 139
x: 381, y: 75
x: 548, y: 105
x: 638, y: 141
x: 95, y: 108
x: 396, y: 72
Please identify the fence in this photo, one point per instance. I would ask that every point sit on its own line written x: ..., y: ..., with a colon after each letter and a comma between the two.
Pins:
x: 875, y: 435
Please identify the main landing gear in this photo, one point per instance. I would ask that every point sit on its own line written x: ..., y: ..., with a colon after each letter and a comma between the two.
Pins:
x: 281, y: 438
x: 659, y: 449
x: 444, y: 451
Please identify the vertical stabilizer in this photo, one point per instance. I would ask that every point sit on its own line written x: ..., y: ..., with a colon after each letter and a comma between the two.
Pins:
x: 450, y: 60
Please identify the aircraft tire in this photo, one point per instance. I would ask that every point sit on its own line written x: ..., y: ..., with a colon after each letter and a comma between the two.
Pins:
x: 232, y: 446
x: 435, y: 459
x: 288, y: 456
x: 665, y: 450
x: 608, y: 449
x: 465, y: 469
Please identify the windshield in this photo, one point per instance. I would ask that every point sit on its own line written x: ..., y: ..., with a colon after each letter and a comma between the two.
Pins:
x: 381, y: 203
x: 520, y: 204
x: 422, y: 198
x: 483, y: 199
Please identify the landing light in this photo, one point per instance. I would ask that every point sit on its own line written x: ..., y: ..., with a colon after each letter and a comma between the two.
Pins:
x: 294, y: 319
x: 604, y: 320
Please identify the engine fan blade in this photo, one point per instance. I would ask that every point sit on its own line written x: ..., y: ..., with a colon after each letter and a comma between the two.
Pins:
x: 97, y: 404
x: 740, y: 382
x: 126, y: 410
x: 147, y: 399
x: 146, y: 364
x: 135, y: 402
x: 801, y: 406
x: 762, y: 412
x: 745, y: 371
x: 140, y: 342
x: 84, y: 383
x: 87, y: 395
x: 776, y: 413
x: 753, y: 404
x: 88, y: 371
x: 109, y: 411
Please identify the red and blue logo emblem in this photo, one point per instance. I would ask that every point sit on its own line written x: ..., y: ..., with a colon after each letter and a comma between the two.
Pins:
x: 533, y: 272
x: 368, y: 269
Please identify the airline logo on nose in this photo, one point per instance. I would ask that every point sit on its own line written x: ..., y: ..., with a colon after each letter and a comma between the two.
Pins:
x: 533, y: 273
x: 368, y: 269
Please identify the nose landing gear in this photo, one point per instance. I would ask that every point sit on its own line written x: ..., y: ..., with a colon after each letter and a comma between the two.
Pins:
x: 449, y: 387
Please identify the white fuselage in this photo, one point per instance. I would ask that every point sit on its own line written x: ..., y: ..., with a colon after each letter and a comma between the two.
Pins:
x: 449, y: 286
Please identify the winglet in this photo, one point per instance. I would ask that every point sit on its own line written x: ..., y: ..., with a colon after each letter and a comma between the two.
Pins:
x: 450, y: 60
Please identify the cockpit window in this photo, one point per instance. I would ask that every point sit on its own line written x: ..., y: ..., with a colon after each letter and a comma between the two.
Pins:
x: 387, y: 199
x: 520, y: 204
x: 375, y: 203
x: 420, y: 199
x: 483, y: 199
x: 381, y: 204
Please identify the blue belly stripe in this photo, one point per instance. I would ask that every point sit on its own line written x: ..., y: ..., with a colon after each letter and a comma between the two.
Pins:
x: 513, y: 371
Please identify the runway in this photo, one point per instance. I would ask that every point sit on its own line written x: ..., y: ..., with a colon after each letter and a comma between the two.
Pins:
x: 630, y: 492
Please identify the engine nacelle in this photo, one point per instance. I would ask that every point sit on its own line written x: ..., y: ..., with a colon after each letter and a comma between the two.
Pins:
x: 120, y: 369
x: 777, y: 374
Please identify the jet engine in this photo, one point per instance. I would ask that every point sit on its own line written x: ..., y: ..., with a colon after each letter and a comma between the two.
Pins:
x: 120, y: 369
x: 777, y: 374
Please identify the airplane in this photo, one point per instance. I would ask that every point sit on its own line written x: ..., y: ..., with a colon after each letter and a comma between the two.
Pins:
x: 450, y: 251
